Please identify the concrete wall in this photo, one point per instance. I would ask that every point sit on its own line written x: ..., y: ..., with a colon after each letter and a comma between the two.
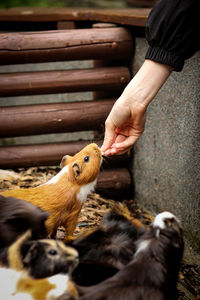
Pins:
x: 167, y: 156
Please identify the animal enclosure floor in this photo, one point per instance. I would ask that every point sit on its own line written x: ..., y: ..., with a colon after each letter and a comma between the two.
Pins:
x: 91, y: 214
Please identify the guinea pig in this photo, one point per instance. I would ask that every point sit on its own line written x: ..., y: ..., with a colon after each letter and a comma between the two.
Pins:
x: 153, y: 271
x: 18, y: 285
x: 109, y: 247
x: 40, y: 258
x: 16, y: 217
x: 64, y: 194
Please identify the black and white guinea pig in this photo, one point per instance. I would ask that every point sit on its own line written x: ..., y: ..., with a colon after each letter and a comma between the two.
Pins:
x: 17, y: 216
x: 105, y: 250
x: 153, y: 271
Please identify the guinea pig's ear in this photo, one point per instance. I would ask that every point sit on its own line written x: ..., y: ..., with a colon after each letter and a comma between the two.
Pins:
x: 65, y: 161
x: 76, y: 170
x: 31, y: 253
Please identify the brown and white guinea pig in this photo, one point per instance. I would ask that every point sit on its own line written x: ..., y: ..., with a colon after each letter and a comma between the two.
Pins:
x: 153, y: 271
x: 64, y: 194
x: 109, y: 247
x: 39, y: 258
x: 16, y: 217
x: 18, y: 285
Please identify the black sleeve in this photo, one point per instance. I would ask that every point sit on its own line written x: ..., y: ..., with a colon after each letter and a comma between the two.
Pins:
x: 173, y: 32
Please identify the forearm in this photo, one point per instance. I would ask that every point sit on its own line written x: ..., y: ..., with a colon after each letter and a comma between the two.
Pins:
x: 144, y: 86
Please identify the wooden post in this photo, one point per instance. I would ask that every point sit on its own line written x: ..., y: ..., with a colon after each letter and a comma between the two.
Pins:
x: 107, y: 62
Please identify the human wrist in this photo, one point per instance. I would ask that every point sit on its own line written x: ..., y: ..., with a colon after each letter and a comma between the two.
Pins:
x: 146, y: 83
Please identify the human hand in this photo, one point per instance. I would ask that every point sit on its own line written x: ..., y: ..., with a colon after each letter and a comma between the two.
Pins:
x: 123, y: 127
x: 126, y: 120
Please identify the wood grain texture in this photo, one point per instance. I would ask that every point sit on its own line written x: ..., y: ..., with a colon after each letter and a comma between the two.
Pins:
x: 130, y: 16
x: 53, y: 118
x: 64, y: 81
x: 61, y: 45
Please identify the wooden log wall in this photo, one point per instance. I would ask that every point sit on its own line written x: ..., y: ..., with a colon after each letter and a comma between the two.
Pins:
x: 114, y: 44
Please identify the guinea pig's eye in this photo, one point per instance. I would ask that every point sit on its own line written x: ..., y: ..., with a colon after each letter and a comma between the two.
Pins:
x: 52, y: 252
x: 86, y: 158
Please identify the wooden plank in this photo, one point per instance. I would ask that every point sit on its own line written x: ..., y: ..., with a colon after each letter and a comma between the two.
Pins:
x: 130, y: 16
x: 141, y: 3
x: 64, y: 81
x: 50, y: 154
x: 134, y: 17
x: 59, y: 45
x: 53, y: 118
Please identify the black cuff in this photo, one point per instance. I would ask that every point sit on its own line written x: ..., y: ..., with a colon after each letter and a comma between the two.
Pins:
x: 162, y: 56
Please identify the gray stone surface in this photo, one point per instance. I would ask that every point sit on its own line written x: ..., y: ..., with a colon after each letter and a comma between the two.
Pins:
x: 166, y: 164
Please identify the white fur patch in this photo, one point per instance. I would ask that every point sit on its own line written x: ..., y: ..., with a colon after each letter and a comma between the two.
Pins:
x: 142, y: 246
x: 86, y: 190
x: 61, y: 282
x: 9, y: 279
x: 160, y: 218
x: 56, y: 178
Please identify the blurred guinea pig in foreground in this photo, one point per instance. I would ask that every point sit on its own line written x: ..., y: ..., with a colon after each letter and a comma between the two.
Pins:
x: 16, y: 216
x: 109, y: 247
x: 153, y: 271
x: 64, y: 194
x: 39, y: 258
x: 18, y: 285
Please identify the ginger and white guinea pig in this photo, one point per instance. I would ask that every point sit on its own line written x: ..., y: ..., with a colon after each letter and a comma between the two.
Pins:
x: 39, y: 258
x: 64, y: 194
x: 18, y: 285
x: 16, y: 217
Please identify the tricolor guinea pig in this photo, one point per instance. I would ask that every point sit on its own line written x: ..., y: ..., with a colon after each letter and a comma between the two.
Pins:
x: 64, y: 194
x: 39, y: 258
